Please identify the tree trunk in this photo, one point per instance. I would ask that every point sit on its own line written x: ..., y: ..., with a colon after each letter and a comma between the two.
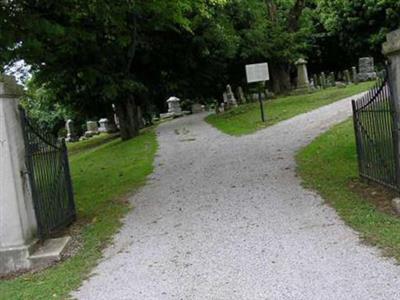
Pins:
x: 128, y: 121
x: 295, y: 14
x: 280, y: 78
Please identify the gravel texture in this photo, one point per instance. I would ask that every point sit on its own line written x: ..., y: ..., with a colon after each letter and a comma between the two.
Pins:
x: 226, y: 218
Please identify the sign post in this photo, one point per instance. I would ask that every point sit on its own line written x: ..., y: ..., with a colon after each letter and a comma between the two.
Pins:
x: 258, y: 73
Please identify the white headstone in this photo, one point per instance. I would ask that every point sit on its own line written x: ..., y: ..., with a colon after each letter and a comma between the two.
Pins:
x: 174, y: 105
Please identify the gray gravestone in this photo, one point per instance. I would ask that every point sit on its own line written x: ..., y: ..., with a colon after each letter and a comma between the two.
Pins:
x: 354, y: 75
x: 332, y: 80
x: 316, y: 82
x: 312, y: 84
x: 322, y: 80
x: 231, y: 100
x: 242, y: 98
x: 366, y: 69
x: 347, y: 78
x: 92, y: 129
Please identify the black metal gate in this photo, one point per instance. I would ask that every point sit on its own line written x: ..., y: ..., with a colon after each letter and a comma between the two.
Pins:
x: 376, y: 138
x: 50, y: 179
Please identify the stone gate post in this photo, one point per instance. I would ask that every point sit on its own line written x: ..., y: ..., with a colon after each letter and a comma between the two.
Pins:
x: 391, y: 49
x: 17, y: 219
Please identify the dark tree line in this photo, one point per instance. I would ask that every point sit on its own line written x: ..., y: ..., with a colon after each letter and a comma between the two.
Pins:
x: 87, y: 55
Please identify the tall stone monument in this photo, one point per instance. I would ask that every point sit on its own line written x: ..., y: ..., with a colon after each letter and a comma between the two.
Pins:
x: 366, y: 69
x: 347, y: 78
x: 316, y: 82
x: 241, y: 96
x: 303, y: 83
x: 332, y: 79
x: 231, y: 100
x: 323, y: 80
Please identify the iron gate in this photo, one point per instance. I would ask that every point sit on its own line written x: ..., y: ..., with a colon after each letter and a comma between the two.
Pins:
x: 376, y: 138
x: 50, y: 179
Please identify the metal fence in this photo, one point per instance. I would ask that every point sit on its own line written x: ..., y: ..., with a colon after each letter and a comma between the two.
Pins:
x: 374, y: 124
x: 50, y: 179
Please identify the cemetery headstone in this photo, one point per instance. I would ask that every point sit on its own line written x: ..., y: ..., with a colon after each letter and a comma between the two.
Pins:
x: 347, y: 78
x: 332, y: 80
x: 71, y: 132
x: 303, y: 83
x: 323, y: 80
x: 312, y: 85
x: 231, y: 100
x: 316, y: 82
x: 222, y: 107
x: 340, y: 76
x: 354, y: 75
x: 174, y: 105
x: 366, y: 69
x: 241, y: 97
x: 116, y: 120
x: 105, y: 126
x: 92, y: 129
x: 225, y: 97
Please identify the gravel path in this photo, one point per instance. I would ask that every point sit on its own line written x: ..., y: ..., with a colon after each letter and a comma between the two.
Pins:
x: 226, y: 218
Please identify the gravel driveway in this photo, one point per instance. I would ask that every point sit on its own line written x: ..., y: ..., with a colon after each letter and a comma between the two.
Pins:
x: 226, y: 218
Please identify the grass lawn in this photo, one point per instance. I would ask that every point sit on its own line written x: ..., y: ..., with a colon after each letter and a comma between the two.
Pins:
x: 103, y: 177
x: 91, y: 143
x: 329, y: 166
x: 246, y: 118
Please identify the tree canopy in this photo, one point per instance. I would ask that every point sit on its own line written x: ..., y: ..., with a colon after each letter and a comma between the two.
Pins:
x: 87, y: 55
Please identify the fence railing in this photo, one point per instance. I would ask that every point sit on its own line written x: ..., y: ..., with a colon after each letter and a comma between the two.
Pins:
x: 374, y: 124
x: 50, y: 179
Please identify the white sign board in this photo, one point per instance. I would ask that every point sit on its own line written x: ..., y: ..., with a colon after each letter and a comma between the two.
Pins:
x: 257, y: 72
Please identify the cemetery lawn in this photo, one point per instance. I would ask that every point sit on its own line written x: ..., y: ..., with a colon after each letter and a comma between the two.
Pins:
x: 329, y: 166
x: 91, y: 143
x: 103, y: 178
x: 246, y: 119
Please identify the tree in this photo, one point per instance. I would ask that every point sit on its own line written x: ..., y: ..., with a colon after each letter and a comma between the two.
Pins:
x: 355, y: 28
x: 84, y: 51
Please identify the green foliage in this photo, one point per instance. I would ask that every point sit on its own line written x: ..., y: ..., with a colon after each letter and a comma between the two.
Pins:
x: 359, y: 26
x: 102, y: 177
x: 246, y: 119
x: 84, y: 50
x: 93, y: 53
x: 43, y: 107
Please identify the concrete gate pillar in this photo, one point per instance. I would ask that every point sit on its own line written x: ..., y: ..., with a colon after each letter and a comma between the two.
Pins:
x: 17, y: 219
x: 391, y: 48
